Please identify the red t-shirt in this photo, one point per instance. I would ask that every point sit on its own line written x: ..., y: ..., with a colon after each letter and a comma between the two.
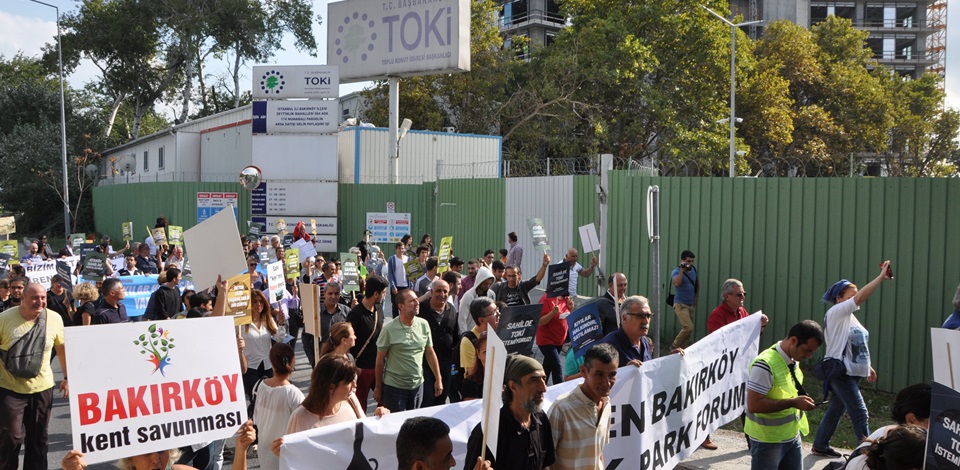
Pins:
x: 723, y: 315
x: 554, y: 332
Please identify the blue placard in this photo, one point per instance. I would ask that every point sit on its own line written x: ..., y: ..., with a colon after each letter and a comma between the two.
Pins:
x: 259, y: 123
x: 585, y: 328
x: 139, y: 289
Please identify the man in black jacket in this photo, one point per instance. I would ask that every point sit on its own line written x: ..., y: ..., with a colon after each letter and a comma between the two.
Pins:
x: 165, y: 302
x: 608, y: 302
x: 444, y: 332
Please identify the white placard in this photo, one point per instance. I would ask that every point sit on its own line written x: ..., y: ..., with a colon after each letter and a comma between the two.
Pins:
x: 305, y: 249
x: 387, y: 227
x: 588, y: 235
x: 295, y: 117
x: 215, y: 249
x: 43, y: 271
x: 278, y: 287
x: 946, y: 356
x: 295, y: 81
x: 155, y: 395
x: 296, y: 157
x: 374, y: 40
x: 492, y: 389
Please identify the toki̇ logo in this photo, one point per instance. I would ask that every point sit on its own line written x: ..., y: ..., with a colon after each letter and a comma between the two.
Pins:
x: 354, y: 36
x: 272, y: 82
x: 156, y: 343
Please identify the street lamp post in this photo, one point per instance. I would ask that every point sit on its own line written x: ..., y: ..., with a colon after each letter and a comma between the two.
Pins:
x: 63, y: 128
x: 733, y: 85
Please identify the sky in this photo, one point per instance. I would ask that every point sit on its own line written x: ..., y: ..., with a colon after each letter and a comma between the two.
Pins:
x: 27, y: 26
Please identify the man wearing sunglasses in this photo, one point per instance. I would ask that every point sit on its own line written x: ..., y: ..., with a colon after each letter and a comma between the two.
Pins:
x: 731, y: 308
x: 630, y: 340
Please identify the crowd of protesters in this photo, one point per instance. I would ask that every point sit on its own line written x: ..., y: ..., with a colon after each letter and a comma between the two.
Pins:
x: 432, y: 351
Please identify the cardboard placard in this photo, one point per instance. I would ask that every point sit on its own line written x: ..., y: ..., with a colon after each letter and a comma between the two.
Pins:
x: 127, y: 229
x: 539, y: 234
x: 350, y: 272
x: 264, y: 254
x: 492, y: 389
x: 443, y: 255
x: 154, y: 384
x: 305, y: 249
x: 589, y: 238
x: 159, y: 235
x: 558, y: 279
x: 8, y: 225
x: 518, y: 328
x: 413, y: 268
x: 946, y: 350
x: 238, y: 299
x: 293, y: 263
x: 175, y: 235
x: 84, y: 250
x: 215, y: 249
x: 94, y: 266
x: 585, y: 328
x: 943, y: 435
x: 11, y: 248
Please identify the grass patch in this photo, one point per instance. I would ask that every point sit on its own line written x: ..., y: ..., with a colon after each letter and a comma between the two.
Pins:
x: 878, y: 406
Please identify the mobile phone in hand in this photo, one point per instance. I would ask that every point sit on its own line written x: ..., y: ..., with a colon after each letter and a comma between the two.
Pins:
x: 889, y: 270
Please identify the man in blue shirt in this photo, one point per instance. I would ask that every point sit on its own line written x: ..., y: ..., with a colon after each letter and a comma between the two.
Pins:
x: 631, y: 340
x: 687, y: 286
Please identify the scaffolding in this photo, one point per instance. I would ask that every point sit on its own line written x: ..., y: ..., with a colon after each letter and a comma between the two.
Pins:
x: 937, y: 40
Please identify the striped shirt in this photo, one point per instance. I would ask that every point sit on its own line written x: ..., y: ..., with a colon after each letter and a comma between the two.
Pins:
x: 578, y: 434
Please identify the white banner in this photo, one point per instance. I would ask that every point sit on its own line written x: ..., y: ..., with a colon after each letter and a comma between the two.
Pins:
x: 660, y: 412
x: 295, y: 117
x: 42, y: 272
x: 153, y: 393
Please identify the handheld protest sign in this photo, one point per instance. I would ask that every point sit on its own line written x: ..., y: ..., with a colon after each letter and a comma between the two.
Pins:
x: 215, y: 249
x: 946, y: 346
x: 264, y: 254
x: 175, y: 235
x: 313, y: 227
x: 159, y: 236
x: 943, y: 432
x: 585, y: 328
x: 310, y: 303
x: 558, y: 279
x: 185, y: 271
x: 492, y: 388
x: 154, y: 384
x: 239, y: 299
x: 443, y: 258
x: 64, y: 270
x: 4, y: 265
x: 127, y: 230
x: 287, y: 241
x: 413, y: 268
x: 351, y: 272
x: 77, y: 239
x: 292, y: 256
x: 589, y: 238
x: 277, y: 286
x: 305, y: 249
x: 11, y: 248
x: 255, y: 228
x: 8, y: 225
x: 518, y: 328
x: 94, y: 266
x: 539, y: 234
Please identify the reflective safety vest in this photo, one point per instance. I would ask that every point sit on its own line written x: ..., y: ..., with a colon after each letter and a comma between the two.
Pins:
x: 782, y: 425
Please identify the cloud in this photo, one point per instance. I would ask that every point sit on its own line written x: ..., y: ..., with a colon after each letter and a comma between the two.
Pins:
x: 25, y: 34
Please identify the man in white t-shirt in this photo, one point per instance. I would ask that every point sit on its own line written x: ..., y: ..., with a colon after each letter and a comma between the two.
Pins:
x: 577, y: 270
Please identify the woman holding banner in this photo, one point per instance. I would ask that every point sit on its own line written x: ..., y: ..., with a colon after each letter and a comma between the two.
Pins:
x: 256, y: 336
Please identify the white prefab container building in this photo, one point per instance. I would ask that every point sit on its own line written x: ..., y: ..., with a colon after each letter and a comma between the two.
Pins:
x: 364, y: 156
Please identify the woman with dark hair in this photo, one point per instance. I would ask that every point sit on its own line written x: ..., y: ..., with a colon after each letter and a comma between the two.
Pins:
x: 257, y: 337
x: 427, y: 241
x: 340, y: 340
x: 903, y: 448
x: 331, y: 398
x: 953, y: 321
x: 912, y: 407
x: 846, y: 341
x: 276, y: 400
x: 473, y: 384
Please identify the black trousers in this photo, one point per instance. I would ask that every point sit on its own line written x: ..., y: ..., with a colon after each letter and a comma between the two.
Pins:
x: 24, y: 420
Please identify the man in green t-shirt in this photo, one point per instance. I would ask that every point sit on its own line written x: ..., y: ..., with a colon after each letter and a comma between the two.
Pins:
x: 400, y: 350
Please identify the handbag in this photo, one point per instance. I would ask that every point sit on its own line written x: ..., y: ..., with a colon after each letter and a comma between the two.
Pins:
x: 25, y: 357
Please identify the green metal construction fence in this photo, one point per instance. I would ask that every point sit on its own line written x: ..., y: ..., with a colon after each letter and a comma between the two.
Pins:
x: 787, y: 239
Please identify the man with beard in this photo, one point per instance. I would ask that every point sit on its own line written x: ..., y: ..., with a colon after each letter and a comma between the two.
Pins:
x: 580, y: 419
x: 516, y: 292
x: 525, y: 440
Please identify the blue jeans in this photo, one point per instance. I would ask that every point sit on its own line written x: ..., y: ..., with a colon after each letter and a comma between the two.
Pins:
x: 846, y: 397
x: 398, y: 399
x: 781, y: 456
x: 551, y: 362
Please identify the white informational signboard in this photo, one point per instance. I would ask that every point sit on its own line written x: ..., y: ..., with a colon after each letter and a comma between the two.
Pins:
x: 326, y: 243
x: 388, y: 227
x: 294, y: 199
x: 215, y: 249
x: 295, y: 81
x: 296, y: 157
x: 295, y: 117
x: 209, y: 203
x: 155, y: 395
x: 374, y: 40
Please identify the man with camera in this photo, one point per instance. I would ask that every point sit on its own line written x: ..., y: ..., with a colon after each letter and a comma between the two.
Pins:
x: 686, y: 283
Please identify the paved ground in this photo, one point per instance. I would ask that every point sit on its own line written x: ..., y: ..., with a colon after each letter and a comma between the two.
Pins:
x: 733, y: 454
